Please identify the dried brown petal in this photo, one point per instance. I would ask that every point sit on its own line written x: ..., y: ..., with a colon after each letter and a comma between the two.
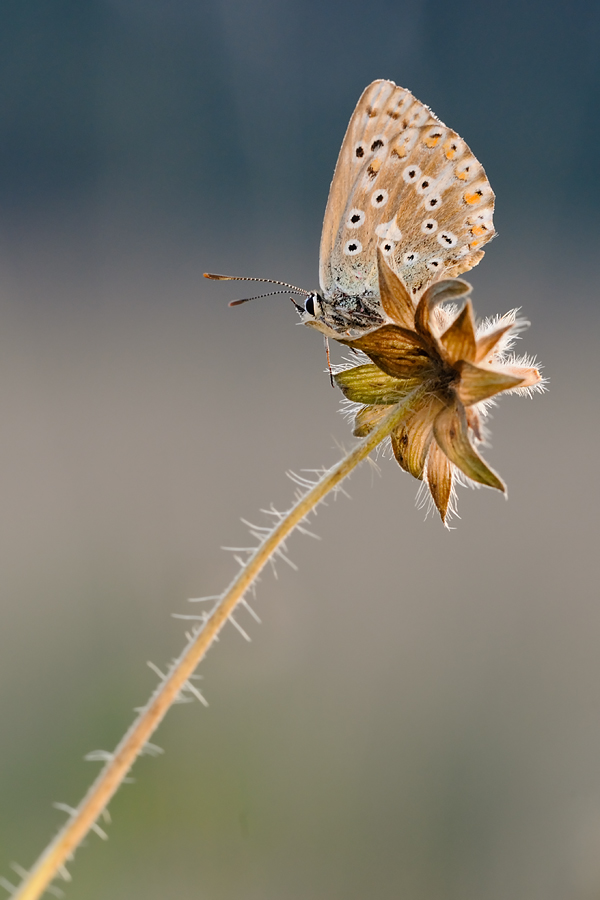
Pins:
x: 450, y: 430
x: 367, y: 418
x: 399, y: 352
x: 439, y: 478
x: 449, y: 289
x: 459, y: 339
x: 486, y: 344
x: 411, y: 440
x: 473, y: 421
x: 395, y: 299
x: 368, y: 384
x: 529, y: 376
x: 477, y: 383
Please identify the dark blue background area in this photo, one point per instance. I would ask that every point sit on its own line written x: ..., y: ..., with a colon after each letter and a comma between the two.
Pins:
x: 187, y: 106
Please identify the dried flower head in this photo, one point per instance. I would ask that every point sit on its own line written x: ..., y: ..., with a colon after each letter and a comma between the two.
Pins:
x: 424, y: 345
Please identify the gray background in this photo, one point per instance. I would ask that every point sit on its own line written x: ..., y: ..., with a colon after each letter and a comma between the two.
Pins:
x: 419, y: 714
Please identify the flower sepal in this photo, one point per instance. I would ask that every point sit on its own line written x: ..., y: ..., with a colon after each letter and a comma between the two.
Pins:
x: 368, y: 384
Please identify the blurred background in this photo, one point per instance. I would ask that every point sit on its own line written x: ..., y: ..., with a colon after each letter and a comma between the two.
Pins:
x: 419, y: 713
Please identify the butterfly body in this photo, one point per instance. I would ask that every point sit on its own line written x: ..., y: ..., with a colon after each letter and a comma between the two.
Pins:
x: 404, y: 183
x: 341, y: 314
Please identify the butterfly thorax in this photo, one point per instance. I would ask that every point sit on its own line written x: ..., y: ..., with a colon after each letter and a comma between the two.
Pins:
x: 339, y: 313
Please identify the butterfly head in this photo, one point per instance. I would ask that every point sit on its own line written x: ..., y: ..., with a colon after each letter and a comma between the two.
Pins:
x: 311, y: 310
x: 338, y: 316
x: 317, y: 312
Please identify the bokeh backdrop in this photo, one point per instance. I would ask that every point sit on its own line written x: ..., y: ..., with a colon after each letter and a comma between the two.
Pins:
x: 419, y: 713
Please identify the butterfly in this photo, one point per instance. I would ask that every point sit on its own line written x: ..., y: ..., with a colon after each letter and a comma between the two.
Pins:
x: 404, y: 183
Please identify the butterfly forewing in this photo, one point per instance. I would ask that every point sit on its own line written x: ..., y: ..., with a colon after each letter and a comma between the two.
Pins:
x: 408, y: 184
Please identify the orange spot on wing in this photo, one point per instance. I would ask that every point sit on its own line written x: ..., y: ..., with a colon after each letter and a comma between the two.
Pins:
x: 478, y: 230
x: 451, y: 148
x: 400, y: 150
x: 473, y: 198
x: 433, y: 140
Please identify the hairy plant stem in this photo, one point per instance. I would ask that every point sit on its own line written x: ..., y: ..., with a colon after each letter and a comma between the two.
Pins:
x: 83, y: 819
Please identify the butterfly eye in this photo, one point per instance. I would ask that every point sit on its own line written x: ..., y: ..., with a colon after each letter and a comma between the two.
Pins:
x: 309, y: 303
x: 411, y: 174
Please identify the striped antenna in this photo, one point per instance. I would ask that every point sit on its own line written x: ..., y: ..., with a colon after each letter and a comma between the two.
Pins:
x: 290, y: 287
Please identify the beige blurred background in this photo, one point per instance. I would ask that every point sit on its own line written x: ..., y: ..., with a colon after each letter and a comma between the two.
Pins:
x: 419, y: 713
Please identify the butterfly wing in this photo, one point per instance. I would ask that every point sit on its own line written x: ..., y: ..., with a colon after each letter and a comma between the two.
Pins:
x: 407, y: 183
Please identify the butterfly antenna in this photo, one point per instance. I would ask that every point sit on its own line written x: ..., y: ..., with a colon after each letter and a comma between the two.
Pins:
x: 290, y: 287
x: 257, y: 297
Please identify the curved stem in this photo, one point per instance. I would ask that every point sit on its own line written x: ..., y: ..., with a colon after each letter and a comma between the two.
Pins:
x: 83, y: 819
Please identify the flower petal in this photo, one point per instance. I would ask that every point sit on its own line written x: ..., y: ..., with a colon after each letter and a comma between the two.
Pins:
x: 411, y: 440
x: 477, y: 383
x: 368, y: 384
x: 459, y: 339
x: 395, y: 299
x: 440, y: 292
x: 529, y: 376
x: 399, y: 352
x: 367, y: 418
x: 450, y: 430
x: 439, y: 475
x: 474, y: 422
x: 487, y: 342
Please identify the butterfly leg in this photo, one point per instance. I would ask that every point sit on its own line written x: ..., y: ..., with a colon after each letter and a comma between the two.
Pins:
x: 326, y: 339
